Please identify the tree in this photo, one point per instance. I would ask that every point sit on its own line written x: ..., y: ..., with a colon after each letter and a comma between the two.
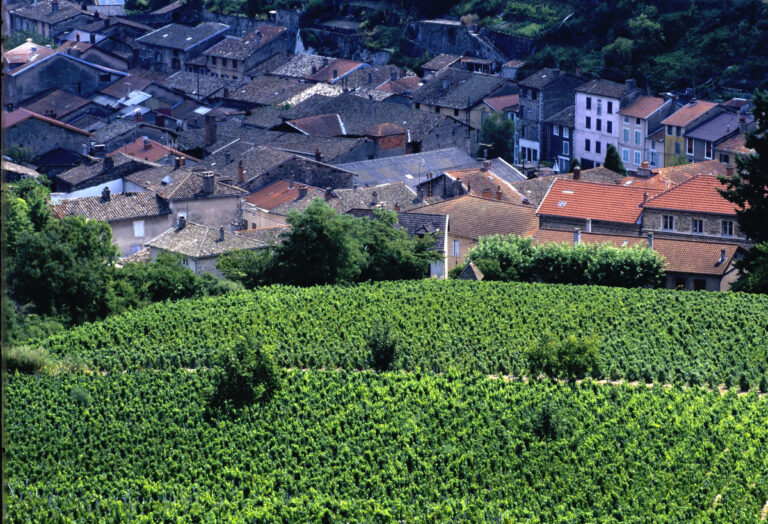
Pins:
x: 748, y: 187
x: 613, y: 160
x: 19, y: 155
x: 248, y: 267
x: 35, y: 194
x: 383, y: 346
x: 65, y: 270
x: 17, y: 38
x: 571, y: 358
x: 500, y: 133
x: 574, y: 164
x: 754, y: 269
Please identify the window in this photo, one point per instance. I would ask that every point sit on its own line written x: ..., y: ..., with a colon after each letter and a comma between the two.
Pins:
x: 668, y: 222
x: 455, y: 112
x: 213, y: 60
x: 689, y: 146
x: 609, y: 127
x: 670, y: 129
x: 175, y: 52
x: 566, y: 132
x: 524, y: 132
x: 638, y: 137
x: 416, y: 105
x: 724, y: 158
x: 522, y: 112
x: 524, y: 92
x: 586, y: 144
x: 534, y: 94
x: 610, y: 107
x: 625, y: 135
x: 654, y: 159
x: 437, y: 109
x: 637, y: 121
x: 625, y: 155
x: 727, y: 226
x: 455, y: 248
x: 678, y: 131
x: 697, y: 225
x: 223, y: 62
x: 556, y: 130
x: 138, y: 228
x: 626, y: 119
x: 566, y: 148
x: 588, y: 123
x: 653, y: 145
x: 677, y: 148
x: 184, y: 262
x: 699, y: 284
x: 509, y: 115
x: 637, y: 157
x: 599, y: 107
x: 708, y: 150
x: 589, y: 102
x: 598, y: 124
x: 680, y: 283
x: 598, y: 147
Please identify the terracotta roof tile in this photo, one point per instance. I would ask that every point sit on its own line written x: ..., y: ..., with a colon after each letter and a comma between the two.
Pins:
x: 21, y: 114
x: 736, y: 144
x: 57, y: 103
x: 401, y: 85
x: 440, y: 61
x: 688, y: 113
x: 156, y: 151
x: 500, y: 103
x: 473, y: 217
x: 642, y: 107
x: 579, y: 199
x: 27, y: 52
x: 279, y: 193
x: 240, y: 48
x: 335, y: 70
x: 667, y: 177
x: 681, y: 256
x: 486, y: 184
x: 698, y: 195
x: 119, y: 206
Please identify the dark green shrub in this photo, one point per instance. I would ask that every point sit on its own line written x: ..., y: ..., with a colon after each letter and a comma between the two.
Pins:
x: 571, y: 358
x: 744, y: 382
x: 764, y: 384
x: 383, y: 347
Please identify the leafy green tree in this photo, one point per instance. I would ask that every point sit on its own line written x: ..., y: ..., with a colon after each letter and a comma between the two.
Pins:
x: 754, y: 271
x: 500, y: 133
x: 36, y: 195
x: 383, y: 346
x: 17, y: 38
x: 249, y: 268
x: 248, y: 373
x: 613, y: 160
x: 574, y: 164
x: 571, y: 358
x: 17, y: 222
x: 65, y: 270
x: 19, y: 155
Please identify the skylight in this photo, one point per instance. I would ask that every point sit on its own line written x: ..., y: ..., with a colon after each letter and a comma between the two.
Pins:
x: 561, y: 203
x: 567, y: 191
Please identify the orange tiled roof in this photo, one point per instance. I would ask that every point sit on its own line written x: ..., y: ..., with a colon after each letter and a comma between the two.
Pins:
x: 340, y: 65
x: 681, y: 256
x: 642, y: 107
x: 667, y: 177
x: 500, y: 103
x: 697, y: 195
x: 473, y: 217
x: 486, y: 184
x: 155, y: 152
x: 385, y: 129
x: 736, y: 144
x: 578, y: 199
x: 688, y: 113
x: 278, y: 193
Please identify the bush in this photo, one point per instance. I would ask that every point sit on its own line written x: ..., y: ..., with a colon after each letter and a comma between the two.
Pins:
x: 383, y: 347
x: 744, y: 382
x: 571, y: 358
x: 248, y: 374
x: 25, y: 359
x: 80, y: 396
x: 763, y: 384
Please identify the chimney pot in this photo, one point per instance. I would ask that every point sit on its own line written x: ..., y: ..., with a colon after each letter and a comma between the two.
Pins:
x: 576, y: 236
x: 588, y: 227
x: 650, y: 240
x: 729, y: 171
x: 108, y: 164
x: 208, y: 184
x: 397, y: 207
x: 221, y: 234
x: 486, y: 165
x: 240, y: 172
x: 182, y: 222
x: 722, y: 256
x: 105, y: 194
x: 318, y: 154
x: 92, y: 38
x: 147, y: 143
x: 302, y: 191
x: 177, y: 162
x: 577, y: 173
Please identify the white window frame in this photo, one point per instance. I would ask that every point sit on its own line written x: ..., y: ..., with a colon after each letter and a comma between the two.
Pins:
x: 455, y: 248
x: 566, y: 148
x: 625, y: 134
x: 689, y: 150
x: 626, y: 119
x: 566, y: 132
x: 708, y: 147
x: 668, y: 222
x: 138, y: 229
x: 638, y: 137
x: 638, y: 157
x: 625, y: 155
x: 556, y: 130
x: 697, y: 226
x: 727, y: 228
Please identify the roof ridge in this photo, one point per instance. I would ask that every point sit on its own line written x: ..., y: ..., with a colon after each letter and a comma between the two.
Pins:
x: 673, y: 188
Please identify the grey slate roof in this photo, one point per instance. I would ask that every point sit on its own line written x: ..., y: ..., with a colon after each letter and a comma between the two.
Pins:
x: 464, y: 89
x: 603, y: 88
x: 181, y: 184
x: 120, y: 206
x: 268, y: 235
x: 123, y: 165
x: 407, y: 168
x: 240, y: 48
x: 197, y: 241
x: 541, y: 78
x: 536, y: 188
x: 717, y: 128
x: 182, y: 37
x: 471, y: 272
x: 264, y: 117
x: 43, y: 12
x: 383, y: 195
x: 565, y: 118
x: 190, y: 83
x: 300, y: 66
x: 268, y: 90
x: 440, y: 61
x: 117, y: 128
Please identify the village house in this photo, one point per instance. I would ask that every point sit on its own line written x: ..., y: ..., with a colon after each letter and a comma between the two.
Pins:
x: 171, y: 47
x: 676, y: 147
x: 49, y: 18
x: 200, y: 246
x: 693, y: 209
x: 542, y: 95
x: 23, y: 54
x: 234, y: 56
x: 702, y: 140
x: 133, y: 217
x: 640, y: 124
x: 687, y: 264
x: 40, y: 134
x: 535, y: 189
x: 479, y: 181
x: 507, y: 106
x: 471, y: 217
x: 727, y: 151
x: 598, y: 103
x: 109, y: 171
x: 94, y: 54
x: 558, y: 135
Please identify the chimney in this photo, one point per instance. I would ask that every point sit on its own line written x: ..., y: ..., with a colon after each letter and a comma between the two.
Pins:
x: 729, y: 171
x: 354, y: 187
x: 77, y: 37
x: 588, y: 227
x: 105, y: 194
x: 397, y: 207
x: 645, y: 197
x: 127, y: 89
x: 302, y: 191
x: 290, y: 184
x: 498, y: 193
x: 221, y: 234
x: 375, y: 197
x: 576, y: 236
x: 486, y: 165
x: 314, y: 69
x: 208, y: 183
x: 577, y: 173
x: 54, y: 6
x: 325, y: 61
x: 92, y: 38
x: 182, y: 222
x: 650, y: 240
x: 177, y: 162
x: 159, y: 120
x: 644, y: 170
x: 227, y: 157
x: 318, y: 155
x: 139, y: 117
x: 181, y: 161
x: 210, y: 129
x: 328, y: 193
x: 743, y: 124
x: 393, y: 75
x: 487, y: 193
x: 335, y: 74
x: 693, y: 102
x: 147, y: 143
x: 630, y: 84
x: 108, y: 164
x: 240, y: 172
x: 722, y: 257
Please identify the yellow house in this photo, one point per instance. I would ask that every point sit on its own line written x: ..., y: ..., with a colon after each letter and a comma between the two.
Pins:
x: 676, y: 146
x: 726, y: 152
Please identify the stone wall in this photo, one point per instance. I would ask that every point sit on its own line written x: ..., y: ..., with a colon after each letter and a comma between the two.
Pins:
x: 305, y: 172
x: 455, y: 39
x: 41, y: 137
x: 683, y: 225
x: 598, y: 226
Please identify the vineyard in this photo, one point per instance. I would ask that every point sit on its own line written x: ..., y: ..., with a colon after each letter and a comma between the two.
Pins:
x: 365, y: 446
x: 644, y: 334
